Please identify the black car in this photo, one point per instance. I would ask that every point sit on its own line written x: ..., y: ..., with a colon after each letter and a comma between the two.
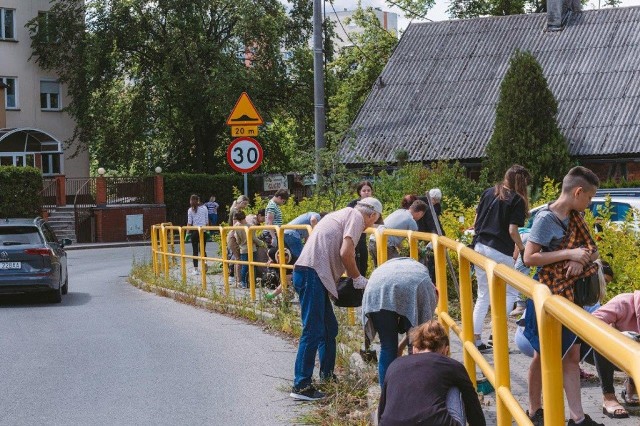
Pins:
x: 32, y: 259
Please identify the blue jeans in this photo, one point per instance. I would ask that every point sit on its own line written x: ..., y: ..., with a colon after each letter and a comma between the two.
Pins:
x: 213, y: 219
x: 388, y: 324
x: 319, y: 328
x: 455, y: 406
x: 244, y: 271
x: 294, y: 242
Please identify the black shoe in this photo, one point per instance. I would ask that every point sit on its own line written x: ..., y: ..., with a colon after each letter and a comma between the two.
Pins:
x: 485, y: 349
x: 538, y: 417
x: 307, y: 394
x: 586, y: 422
x: 490, y: 341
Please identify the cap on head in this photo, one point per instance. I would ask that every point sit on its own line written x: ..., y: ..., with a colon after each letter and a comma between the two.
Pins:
x: 375, y: 205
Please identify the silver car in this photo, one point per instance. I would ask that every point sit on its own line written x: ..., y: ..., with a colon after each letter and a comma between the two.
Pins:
x: 32, y: 259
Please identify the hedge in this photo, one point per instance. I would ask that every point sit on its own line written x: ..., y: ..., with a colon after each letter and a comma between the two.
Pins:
x: 178, y: 187
x: 20, y: 189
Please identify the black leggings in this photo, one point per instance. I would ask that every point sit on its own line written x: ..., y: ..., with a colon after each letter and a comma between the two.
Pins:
x: 195, y: 244
x: 605, y: 372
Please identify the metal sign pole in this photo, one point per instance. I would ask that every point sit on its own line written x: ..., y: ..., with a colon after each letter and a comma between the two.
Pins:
x: 246, y: 186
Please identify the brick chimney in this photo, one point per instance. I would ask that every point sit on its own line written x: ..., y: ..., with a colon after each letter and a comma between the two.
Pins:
x: 559, y: 11
x: 3, y: 110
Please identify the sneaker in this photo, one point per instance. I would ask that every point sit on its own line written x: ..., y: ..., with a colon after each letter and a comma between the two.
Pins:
x: 490, y: 341
x: 484, y: 348
x: 195, y: 272
x: 588, y: 421
x: 307, y: 394
x: 538, y: 417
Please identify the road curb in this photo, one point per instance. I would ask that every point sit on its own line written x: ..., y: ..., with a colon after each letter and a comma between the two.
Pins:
x: 89, y: 246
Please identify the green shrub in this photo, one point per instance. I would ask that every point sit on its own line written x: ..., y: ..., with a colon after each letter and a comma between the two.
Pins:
x: 20, y: 189
x: 178, y: 187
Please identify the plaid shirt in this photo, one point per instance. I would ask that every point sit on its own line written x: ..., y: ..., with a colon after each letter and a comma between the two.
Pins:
x: 554, y: 275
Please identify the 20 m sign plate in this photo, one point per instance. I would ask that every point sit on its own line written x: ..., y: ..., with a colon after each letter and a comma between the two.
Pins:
x: 244, y: 155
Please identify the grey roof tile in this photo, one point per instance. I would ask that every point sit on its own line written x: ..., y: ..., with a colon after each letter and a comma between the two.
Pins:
x: 443, y: 81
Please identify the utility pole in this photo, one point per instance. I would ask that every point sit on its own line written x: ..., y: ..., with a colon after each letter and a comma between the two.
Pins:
x: 318, y: 85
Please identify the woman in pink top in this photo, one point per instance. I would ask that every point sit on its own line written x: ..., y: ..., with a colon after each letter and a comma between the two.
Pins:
x: 622, y: 313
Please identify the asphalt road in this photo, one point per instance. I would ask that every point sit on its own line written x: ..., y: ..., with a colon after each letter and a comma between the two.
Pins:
x: 112, y: 354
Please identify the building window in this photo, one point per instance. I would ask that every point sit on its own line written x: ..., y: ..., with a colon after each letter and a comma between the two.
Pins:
x: 11, y: 92
x: 51, y: 164
x: 7, y: 26
x: 50, y: 95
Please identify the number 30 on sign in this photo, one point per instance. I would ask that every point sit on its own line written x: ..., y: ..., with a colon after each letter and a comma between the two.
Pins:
x: 244, y: 155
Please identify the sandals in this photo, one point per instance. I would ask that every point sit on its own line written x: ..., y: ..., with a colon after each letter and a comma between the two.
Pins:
x: 630, y: 400
x: 615, y: 412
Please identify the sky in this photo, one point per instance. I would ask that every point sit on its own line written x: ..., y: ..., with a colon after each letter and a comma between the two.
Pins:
x: 436, y: 13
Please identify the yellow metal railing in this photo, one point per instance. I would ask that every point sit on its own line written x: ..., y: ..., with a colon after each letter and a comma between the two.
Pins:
x: 551, y: 311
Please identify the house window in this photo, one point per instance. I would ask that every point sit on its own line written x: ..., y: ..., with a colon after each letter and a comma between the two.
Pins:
x: 7, y: 26
x: 51, y: 164
x: 50, y: 95
x: 11, y: 92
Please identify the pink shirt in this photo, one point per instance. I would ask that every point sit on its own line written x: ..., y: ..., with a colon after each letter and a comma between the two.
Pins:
x: 622, y: 312
x: 321, y: 252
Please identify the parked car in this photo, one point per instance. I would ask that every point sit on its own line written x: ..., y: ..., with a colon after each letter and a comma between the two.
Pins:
x: 32, y: 259
x: 620, y: 207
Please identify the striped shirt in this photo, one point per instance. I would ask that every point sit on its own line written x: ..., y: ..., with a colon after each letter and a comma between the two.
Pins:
x: 274, y: 209
x: 198, y: 218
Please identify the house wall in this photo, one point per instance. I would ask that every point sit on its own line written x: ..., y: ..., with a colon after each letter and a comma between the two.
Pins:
x: 111, y: 221
x: 15, y: 62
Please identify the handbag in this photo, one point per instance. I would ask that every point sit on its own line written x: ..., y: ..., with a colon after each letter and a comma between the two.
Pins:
x: 587, y: 291
x: 348, y: 295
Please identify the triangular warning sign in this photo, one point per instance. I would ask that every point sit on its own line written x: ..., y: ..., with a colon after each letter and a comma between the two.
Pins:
x: 244, y: 113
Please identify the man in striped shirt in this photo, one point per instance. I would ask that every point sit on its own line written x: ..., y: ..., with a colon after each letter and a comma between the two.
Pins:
x: 273, y: 212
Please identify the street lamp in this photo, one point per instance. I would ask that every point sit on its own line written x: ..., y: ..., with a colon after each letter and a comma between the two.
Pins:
x: 158, y: 169
x: 101, y: 171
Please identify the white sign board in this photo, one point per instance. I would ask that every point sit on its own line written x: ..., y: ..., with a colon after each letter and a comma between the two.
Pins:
x: 275, y: 182
x: 134, y: 224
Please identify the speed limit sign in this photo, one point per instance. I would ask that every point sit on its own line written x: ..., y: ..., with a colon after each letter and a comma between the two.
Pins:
x: 244, y: 155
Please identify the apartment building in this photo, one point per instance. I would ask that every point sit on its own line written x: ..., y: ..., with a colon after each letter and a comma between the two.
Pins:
x: 33, y: 130
x: 344, y: 26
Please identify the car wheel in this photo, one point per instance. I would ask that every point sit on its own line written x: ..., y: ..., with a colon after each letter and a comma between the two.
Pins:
x: 56, y: 295
x: 65, y: 287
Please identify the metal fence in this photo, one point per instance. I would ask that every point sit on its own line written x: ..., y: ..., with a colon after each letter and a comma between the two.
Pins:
x: 552, y: 311
x: 130, y: 190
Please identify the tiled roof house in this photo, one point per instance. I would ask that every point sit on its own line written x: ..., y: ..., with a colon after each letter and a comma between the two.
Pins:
x: 437, y: 95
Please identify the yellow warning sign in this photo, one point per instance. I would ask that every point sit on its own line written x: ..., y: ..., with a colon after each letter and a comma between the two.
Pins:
x: 244, y: 113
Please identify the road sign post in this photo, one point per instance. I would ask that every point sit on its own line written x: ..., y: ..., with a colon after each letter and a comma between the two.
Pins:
x: 245, y: 153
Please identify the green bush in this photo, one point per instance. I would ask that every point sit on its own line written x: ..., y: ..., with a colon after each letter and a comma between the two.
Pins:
x: 178, y: 187
x: 20, y: 189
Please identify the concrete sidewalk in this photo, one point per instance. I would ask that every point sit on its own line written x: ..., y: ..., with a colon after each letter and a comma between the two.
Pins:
x: 87, y: 246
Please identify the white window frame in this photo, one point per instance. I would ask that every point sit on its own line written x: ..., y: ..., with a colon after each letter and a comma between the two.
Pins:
x: 48, y: 157
x: 48, y: 107
x: 6, y: 94
x: 2, y: 19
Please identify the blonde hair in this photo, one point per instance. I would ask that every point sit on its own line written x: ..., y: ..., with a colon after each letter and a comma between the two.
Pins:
x: 240, y: 199
x: 429, y: 336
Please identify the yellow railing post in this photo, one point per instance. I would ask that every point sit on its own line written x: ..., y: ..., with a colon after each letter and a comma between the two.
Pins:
x: 466, y: 312
x: 225, y: 259
x: 282, y: 259
x: 203, y: 263
x: 441, y: 278
x: 498, y: 300
x: 252, y: 272
x: 165, y: 258
x: 154, y: 250
x: 413, y: 246
x: 550, y: 333
x: 183, y: 260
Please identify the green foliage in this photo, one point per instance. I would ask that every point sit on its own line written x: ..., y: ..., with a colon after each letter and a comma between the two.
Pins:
x: 621, y: 183
x: 525, y: 131
x: 178, y: 187
x: 20, y: 189
x: 357, y: 68
x: 153, y: 84
x: 620, y: 246
x: 461, y: 9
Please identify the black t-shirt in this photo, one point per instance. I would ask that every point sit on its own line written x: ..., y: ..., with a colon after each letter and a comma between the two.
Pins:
x: 492, y: 223
x: 426, y: 222
x: 415, y: 392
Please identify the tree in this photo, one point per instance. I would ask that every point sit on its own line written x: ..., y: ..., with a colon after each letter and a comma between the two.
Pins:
x: 357, y: 69
x: 525, y: 131
x: 461, y: 9
x: 152, y: 82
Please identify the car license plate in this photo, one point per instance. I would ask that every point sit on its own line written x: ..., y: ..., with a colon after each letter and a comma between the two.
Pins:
x: 10, y: 265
